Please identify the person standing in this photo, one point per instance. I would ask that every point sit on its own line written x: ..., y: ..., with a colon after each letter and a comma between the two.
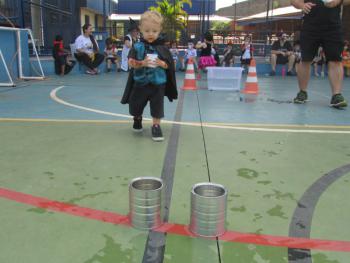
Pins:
x: 152, y: 75
x: 321, y: 27
x: 129, y: 41
x: 247, y: 53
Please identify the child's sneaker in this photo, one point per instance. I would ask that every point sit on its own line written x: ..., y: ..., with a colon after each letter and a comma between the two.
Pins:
x: 157, y: 134
x: 301, y: 97
x: 137, y: 127
x: 338, y: 101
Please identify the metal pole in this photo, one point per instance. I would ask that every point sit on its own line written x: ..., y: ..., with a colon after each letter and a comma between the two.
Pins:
x: 174, y: 33
x: 208, y: 16
x: 235, y: 18
x: 202, y: 17
x: 267, y: 25
x: 21, y: 7
x: 104, y: 15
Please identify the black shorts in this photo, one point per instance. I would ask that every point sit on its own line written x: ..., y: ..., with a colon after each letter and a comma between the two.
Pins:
x: 139, y: 97
x: 281, y: 60
x: 331, y: 41
x: 113, y: 60
x: 246, y: 61
x: 61, y: 60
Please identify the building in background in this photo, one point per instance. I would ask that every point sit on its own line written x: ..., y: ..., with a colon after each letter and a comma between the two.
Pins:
x: 139, y: 6
x: 201, y: 14
x: 47, y: 18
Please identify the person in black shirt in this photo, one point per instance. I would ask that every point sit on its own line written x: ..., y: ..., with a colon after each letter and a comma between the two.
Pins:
x: 206, y: 59
x: 321, y: 27
x: 282, y: 53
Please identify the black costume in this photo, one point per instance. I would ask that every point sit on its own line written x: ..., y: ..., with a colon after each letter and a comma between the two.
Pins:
x: 170, y: 86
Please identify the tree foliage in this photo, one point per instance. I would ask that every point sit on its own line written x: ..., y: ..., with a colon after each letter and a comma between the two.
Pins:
x: 175, y: 17
x: 221, y: 28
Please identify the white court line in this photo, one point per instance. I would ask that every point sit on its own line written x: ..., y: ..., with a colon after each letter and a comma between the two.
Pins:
x: 55, y: 98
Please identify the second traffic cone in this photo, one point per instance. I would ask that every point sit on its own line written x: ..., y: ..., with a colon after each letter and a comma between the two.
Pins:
x: 190, y: 78
x: 251, y: 85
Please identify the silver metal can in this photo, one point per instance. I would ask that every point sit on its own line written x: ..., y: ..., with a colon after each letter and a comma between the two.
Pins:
x: 208, y: 209
x: 145, y: 202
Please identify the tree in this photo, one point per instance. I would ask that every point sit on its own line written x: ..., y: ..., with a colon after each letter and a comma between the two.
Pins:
x: 222, y: 28
x: 175, y: 18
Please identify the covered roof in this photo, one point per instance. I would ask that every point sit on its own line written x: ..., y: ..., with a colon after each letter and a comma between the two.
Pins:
x: 289, y: 12
x: 125, y: 17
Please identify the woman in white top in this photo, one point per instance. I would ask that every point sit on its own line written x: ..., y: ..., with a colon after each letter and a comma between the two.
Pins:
x: 247, y: 53
x: 87, y: 50
x: 129, y: 41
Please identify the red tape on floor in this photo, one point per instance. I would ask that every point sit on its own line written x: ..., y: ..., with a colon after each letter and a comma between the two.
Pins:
x: 229, y: 236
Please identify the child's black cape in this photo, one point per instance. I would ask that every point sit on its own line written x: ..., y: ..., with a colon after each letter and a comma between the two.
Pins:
x: 170, y: 86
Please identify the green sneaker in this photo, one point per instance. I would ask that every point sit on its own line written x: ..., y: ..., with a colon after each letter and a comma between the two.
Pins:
x: 338, y: 101
x: 301, y: 97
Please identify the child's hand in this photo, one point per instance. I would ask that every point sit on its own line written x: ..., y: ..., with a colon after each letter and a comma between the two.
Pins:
x: 149, y: 63
x: 161, y: 63
x: 135, y: 63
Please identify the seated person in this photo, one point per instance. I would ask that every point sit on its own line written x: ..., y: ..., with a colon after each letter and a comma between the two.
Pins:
x: 111, y: 53
x: 346, y: 58
x: 190, y: 52
x: 229, y: 56
x: 87, y: 50
x: 62, y: 65
x: 297, y: 54
x: 282, y: 53
x: 215, y: 54
x: 319, y: 60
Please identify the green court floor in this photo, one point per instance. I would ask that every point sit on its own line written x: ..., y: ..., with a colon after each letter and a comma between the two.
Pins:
x: 70, y: 140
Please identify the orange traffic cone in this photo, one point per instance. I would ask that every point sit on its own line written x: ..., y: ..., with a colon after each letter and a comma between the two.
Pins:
x: 251, y: 85
x: 190, y: 78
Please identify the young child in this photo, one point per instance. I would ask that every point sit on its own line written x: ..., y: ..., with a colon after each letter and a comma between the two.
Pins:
x: 111, y: 54
x: 247, y: 53
x: 175, y: 53
x: 62, y: 65
x: 206, y: 59
x: 319, y: 60
x: 215, y: 54
x: 190, y: 52
x: 229, y: 56
x: 346, y: 58
x: 152, y: 75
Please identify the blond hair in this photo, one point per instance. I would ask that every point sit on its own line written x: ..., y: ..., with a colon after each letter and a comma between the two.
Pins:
x: 152, y: 16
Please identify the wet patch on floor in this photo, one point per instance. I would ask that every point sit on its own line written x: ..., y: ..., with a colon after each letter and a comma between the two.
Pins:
x: 247, y: 173
x: 277, y: 211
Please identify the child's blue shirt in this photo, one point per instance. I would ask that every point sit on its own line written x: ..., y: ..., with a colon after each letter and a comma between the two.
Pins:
x: 145, y: 75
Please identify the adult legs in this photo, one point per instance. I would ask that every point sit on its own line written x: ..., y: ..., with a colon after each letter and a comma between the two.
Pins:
x: 273, y: 62
x: 335, y: 74
x: 304, y: 69
x: 291, y: 60
x: 86, y: 60
x: 98, y: 60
